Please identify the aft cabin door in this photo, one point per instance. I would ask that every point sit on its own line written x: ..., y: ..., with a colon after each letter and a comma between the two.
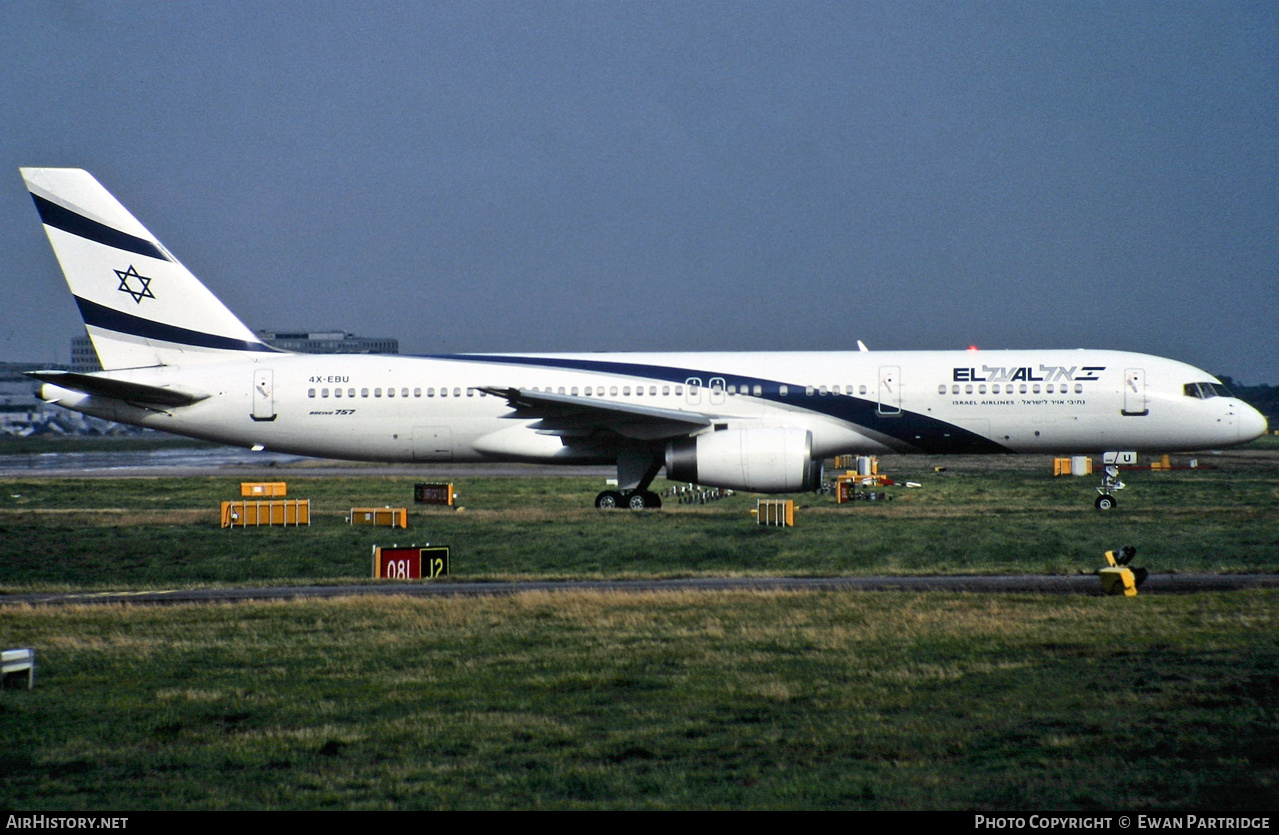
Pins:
x: 263, y: 395
x: 1135, y: 393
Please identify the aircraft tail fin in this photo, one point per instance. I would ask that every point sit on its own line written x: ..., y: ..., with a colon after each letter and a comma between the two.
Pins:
x: 141, y: 307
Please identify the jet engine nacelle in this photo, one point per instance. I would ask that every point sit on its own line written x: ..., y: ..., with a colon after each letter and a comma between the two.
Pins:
x: 759, y: 460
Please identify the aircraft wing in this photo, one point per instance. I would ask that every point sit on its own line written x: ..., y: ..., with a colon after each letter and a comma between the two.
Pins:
x: 125, y: 390
x: 570, y: 415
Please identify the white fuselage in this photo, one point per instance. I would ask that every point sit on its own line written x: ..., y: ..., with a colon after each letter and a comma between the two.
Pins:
x: 402, y: 408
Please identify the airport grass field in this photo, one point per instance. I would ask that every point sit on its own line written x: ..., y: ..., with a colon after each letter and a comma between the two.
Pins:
x: 873, y: 700
x: 981, y: 515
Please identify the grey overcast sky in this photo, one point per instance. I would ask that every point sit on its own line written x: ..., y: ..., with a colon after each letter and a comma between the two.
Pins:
x: 573, y: 176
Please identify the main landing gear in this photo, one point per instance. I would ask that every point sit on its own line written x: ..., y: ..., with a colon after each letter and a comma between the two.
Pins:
x: 636, y: 469
x: 633, y: 499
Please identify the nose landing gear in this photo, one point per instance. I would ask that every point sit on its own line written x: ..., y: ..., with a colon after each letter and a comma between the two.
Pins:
x: 1110, y: 483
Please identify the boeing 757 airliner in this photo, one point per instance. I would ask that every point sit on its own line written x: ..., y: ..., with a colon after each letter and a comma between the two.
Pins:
x: 176, y: 359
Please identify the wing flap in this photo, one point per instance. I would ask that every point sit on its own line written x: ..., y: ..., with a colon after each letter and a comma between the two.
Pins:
x: 569, y: 415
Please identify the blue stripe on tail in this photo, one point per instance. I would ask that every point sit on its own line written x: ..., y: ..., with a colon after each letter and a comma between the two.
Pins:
x: 60, y: 217
x: 120, y: 322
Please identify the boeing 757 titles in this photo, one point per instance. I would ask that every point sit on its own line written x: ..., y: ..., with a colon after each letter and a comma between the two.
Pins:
x: 176, y: 359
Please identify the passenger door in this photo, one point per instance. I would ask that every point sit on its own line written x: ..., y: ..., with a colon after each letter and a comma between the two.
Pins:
x: 1135, y: 393
x: 890, y: 391
x: 263, y: 395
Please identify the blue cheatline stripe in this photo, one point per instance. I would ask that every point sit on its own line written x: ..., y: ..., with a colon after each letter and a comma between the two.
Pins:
x: 918, y: 431
x: 114, y: 320
x: 60, y: 217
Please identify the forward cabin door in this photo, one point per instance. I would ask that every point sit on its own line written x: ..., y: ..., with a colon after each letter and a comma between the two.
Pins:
x: 1135, y: 393
x: 263, y: 394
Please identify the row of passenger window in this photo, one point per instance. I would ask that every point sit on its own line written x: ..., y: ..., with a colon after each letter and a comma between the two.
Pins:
x: 604, y: 391
x: 390, y: 392
x: 1020, y: 388
x: 732, y: 389
x: 822, y: 391
x: 639, y: 391
x: 612, y: 391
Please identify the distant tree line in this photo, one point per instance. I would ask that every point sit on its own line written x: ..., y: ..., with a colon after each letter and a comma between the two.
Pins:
x: 1264, y: 398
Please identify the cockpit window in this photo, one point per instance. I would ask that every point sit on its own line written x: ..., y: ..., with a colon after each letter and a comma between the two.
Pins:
x: 1206, y: 390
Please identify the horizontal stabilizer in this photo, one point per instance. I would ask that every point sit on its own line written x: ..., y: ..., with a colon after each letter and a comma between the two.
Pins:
x: 125, y: 390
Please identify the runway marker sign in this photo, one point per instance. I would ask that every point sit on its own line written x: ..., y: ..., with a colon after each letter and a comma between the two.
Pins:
x: 414, y: 562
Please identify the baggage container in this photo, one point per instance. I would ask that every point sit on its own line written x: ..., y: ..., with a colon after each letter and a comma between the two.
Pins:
x: 250, y: 513
x: 264, y: 489
x: 388, y: 517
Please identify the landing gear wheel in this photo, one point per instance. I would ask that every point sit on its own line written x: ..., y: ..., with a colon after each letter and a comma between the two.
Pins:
x: 1106, y: 502
x: 608, y: 500
x: 643, y: 500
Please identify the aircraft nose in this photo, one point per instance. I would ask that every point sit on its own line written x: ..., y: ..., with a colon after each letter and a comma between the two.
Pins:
x: 1252, y: 424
